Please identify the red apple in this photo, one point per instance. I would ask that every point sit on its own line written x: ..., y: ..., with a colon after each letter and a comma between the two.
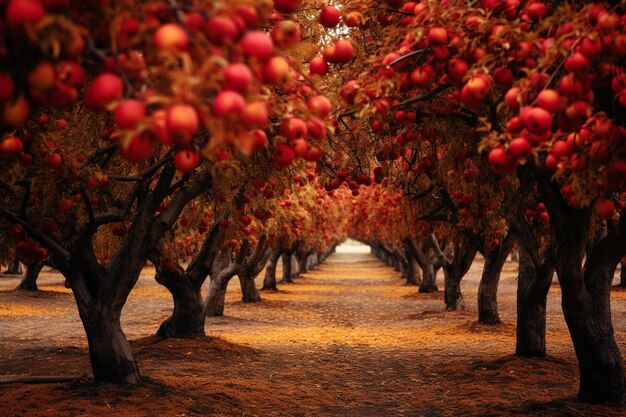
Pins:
x: 293, y: 128
x: 286, y: 34
x: 137, y: 149
x: 283, y: 155
x: 258, y: 44
x: 329, y: 16
x: 106, y: 88
x: 318, y: 65
x: 6, y: 87
x: 255, y: 114
x: 457, y: 68
x: 519, y: 148
x: 276, y: 70
x: 186, y: 160
x: 343, y: 51
x: 129, y: 113
x: 227, y: 103
x: 21, y: 12
x: 537, y: 120
x: 16, y: 113
x: 237, y: 77
x: 501, y: 161
x: 222, y: 30
x: 604, y: 208
x: 182, y: 123
x: 171, y: 37
x: 550, y: 100
x: 437, y: 36
x: 287, y: 6
x: 319, y: 105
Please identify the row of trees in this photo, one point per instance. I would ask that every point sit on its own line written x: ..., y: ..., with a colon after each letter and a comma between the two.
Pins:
x: 491, y: 124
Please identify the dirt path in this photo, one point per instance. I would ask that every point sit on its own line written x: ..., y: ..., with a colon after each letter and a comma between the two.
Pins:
x: 347, y: 339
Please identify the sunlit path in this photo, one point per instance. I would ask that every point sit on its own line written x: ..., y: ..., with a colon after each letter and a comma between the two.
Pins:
x: 350, y: 338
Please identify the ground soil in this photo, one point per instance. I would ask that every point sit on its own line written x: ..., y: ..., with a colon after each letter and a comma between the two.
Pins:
x: 349, y: 339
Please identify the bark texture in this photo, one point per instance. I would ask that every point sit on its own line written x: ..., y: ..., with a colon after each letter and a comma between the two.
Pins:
x: 488, y: 288
x: 29, y: 279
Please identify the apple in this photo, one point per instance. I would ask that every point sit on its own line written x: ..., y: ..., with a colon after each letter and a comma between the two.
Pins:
x: 317, y: 65
x: 136, y: 149
x: 258, y: 45
x: 550, y: 100
x: 276, y: 70
x: 255, y: 114
x: 478, y: 87
x: 287, y: 6
x: 503, y: 77
x: 23, y: 12
x: 313, y: 154
x: 457, y: 68
x: 329, y: 16
x: 260, y: 139
x: 519, y: 148
x: 129, y: 113
x: 107, y: 87
x: 293, y: 128
x: 437, y: 36
x: 222, y: 30
x: 286, y: 34
x: 343, y: 51
x: 171, y: 37
x: 283, y: 155
x: 16, y: 113
x: 577, y: 63
x: 501, y: 161
x: 319, y: 105
x: 227, y: 103
x: 71, y: 74
x: 237, y: 77
x: 186, y: 160
x: 6, y: 86
x: 537, y: 120
x: 42, y: 77
x: 604, y: 208
x: 299, y: 147
x: 316, y: 128
x: 354, y: 19
x: 422, y: 76
x: 512, y: 98
x: 10, y: 145
x: 182, y: 123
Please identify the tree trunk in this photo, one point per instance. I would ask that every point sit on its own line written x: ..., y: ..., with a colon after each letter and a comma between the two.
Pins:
x: 287, y: 269
x: 249, y: 293
x: 588, y: 317
x: 15, y: 268
x: 216, y: 298
x: 488, y: 288
x: 111, y: 356
x: 269, y: 283
x: 413, y: 275
x: 454, y: 273
x: 187, y: 319
x: 29, y: 280
x: 429, y: 279
x: 532, y: 291
x: 622, y: 274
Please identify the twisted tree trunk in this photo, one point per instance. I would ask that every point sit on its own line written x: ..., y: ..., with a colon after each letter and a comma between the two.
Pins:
x: 488, y: 288
x: 269, y: 283
x: 29, y: 279
x: 287, y: 269
x: 187, y: 319
x: 533, y: 285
